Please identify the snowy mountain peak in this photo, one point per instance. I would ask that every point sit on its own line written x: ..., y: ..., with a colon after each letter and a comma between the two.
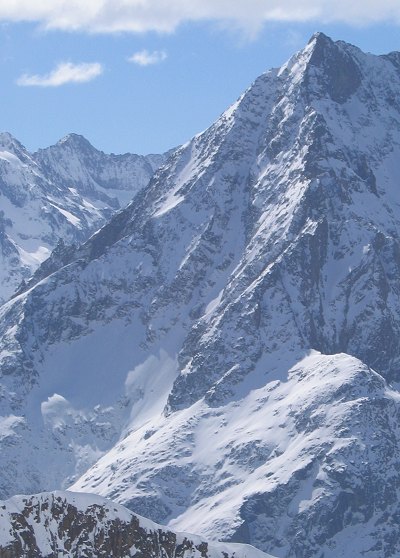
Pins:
x: 224, y: 354
x: 73, y: 137
x: 77, y: 141
x: 325, y: 67
x: 319, y: 36
x: 8, y: 139
x: 12, y: 151
x: 323, y: 45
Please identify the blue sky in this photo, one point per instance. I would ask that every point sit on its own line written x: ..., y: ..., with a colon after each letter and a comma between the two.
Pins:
x: 154, y: 84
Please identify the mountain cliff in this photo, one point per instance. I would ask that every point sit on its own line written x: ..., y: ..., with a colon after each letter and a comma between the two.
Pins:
x: 223, y: 355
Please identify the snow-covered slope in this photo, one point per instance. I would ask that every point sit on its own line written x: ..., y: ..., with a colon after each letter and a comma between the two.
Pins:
x: 225, y: 352
x: 64, y: 192
x: 67, y: 524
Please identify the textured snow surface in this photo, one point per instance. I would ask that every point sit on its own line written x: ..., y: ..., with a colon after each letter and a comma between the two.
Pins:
x: 223, y: 356
x: 70, y: 524
x: 65, y: 192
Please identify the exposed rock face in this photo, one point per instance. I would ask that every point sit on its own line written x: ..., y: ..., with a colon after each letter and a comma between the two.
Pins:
x: 62, y: 193
x: 71, y: 525
x: 223, y: 356
x: 336, y: 70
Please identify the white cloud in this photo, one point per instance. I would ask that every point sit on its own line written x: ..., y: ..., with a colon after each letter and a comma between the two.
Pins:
x: 165, y: 16
x: 66, y: 72
x: 146, y: 58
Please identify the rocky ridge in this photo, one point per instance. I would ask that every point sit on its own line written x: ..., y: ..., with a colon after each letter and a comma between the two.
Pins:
x: 66, y: 524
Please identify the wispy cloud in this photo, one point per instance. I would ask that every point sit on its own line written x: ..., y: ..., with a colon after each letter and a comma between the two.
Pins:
x: 66, y: 72
x: 108, y: 16
x: 146, y: 58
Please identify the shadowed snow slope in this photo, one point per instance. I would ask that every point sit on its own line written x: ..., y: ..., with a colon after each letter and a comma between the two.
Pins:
x: 224, y: 356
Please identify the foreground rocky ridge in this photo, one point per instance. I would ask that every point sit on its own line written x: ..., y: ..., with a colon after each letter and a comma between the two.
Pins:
x: 240, y: 320
x: 57, y: 524
x: 62, y: 193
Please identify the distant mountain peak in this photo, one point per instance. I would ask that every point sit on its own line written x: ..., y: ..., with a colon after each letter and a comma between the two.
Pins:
x: 9, y: 143
x: 6, y: 136
x: 76, y: 142
x: 65, y: 191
